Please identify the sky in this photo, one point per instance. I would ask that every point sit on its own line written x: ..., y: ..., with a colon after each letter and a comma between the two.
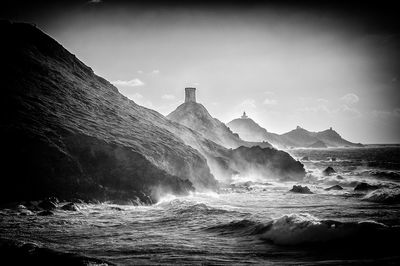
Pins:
x: 286, y: 65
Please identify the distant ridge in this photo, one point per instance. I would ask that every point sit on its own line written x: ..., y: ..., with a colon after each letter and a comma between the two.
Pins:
x: 249, y: 130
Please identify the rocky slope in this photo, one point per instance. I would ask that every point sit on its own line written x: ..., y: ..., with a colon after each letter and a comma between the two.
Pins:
x: 69, y: 133
x: 195, y: 116
x: 299, y: 137
x: 249, y: 130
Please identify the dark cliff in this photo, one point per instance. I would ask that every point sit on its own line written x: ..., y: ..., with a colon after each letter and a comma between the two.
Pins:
x: 69, y: 133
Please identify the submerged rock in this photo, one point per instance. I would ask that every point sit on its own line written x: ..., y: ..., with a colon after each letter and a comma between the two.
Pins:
x: 335, y: 187
x: 70, y: 207
x: 365, y: 187
x: 47, y: 205
x: 301, y: 189
x: 45, y: 213
x: 328, y: 171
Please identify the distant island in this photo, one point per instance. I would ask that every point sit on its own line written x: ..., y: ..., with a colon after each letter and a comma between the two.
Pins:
x: 249, y: 130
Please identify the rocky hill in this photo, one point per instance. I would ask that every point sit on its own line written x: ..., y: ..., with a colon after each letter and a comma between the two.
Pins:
x: 195, y: 116
x: 299, y: 137
x: 249, y: 130
x: 69, y: 133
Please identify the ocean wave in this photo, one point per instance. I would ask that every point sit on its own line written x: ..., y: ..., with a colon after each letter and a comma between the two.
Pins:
x: 29, y: 253
x: 390, y: 175
x: 305, y: 229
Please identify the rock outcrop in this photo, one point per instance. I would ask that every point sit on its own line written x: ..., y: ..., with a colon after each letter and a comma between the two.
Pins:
x: 195, y: 116
x: 300, y: 189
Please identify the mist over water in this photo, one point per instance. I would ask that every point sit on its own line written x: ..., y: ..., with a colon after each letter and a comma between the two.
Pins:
x: 252, y: 220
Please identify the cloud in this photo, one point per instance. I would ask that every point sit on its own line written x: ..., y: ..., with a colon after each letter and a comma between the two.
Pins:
x: 343, y: 111
x: 386, y: 114
x: 322, y: 101
x: 140, y: 100
x: 270, y: 102
x: 140, y: 72
x: 348, y: 112
x: 168, y: 97
x: 128, y: 83
x: 156, y: 71
x: 350, y: 98
x: 248, y: 104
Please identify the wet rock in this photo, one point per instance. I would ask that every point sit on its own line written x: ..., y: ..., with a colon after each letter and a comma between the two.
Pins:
x: 328, y: 171
x: 365, y: 187
x: 339, y: 177
x: 70, y: 207
x: 333, y: 159
x: 47, y: 205
x: 45, y: 213
x: 335, y: 187
x: 301, y: 189
x: 26, y: 212
x: 116, y: 208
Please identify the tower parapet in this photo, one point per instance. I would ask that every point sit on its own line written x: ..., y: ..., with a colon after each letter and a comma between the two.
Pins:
x: 190, y: 95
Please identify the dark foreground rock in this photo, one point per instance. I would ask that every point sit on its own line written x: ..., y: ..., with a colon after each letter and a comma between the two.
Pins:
x: 328, y: 171
x: 47, y: 205
x: 267, y: 162
x: 365, y: 187
x: 300, y: 189
x: 23, y: 253
x: 335, y: 187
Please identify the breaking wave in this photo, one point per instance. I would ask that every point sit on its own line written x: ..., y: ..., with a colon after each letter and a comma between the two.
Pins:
x: 305, y: 229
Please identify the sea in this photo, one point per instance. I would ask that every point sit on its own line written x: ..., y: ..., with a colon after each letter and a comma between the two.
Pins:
x: 250, y: 221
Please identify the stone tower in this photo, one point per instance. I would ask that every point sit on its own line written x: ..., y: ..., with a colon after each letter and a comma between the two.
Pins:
x: 190, y: 95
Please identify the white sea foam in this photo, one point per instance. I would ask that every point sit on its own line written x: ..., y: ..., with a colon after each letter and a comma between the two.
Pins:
x: 303, y: 228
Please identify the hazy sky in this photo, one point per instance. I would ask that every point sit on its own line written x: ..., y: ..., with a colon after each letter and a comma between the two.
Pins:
x: 284, y: 65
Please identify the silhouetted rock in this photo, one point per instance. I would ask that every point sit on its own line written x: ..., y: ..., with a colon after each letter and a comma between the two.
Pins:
x: 335, y: 187
x: 365, y: 187
x: 301, y: 189
x: 47, y: 205
x: 70, y: 207
x: 328, y: 171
